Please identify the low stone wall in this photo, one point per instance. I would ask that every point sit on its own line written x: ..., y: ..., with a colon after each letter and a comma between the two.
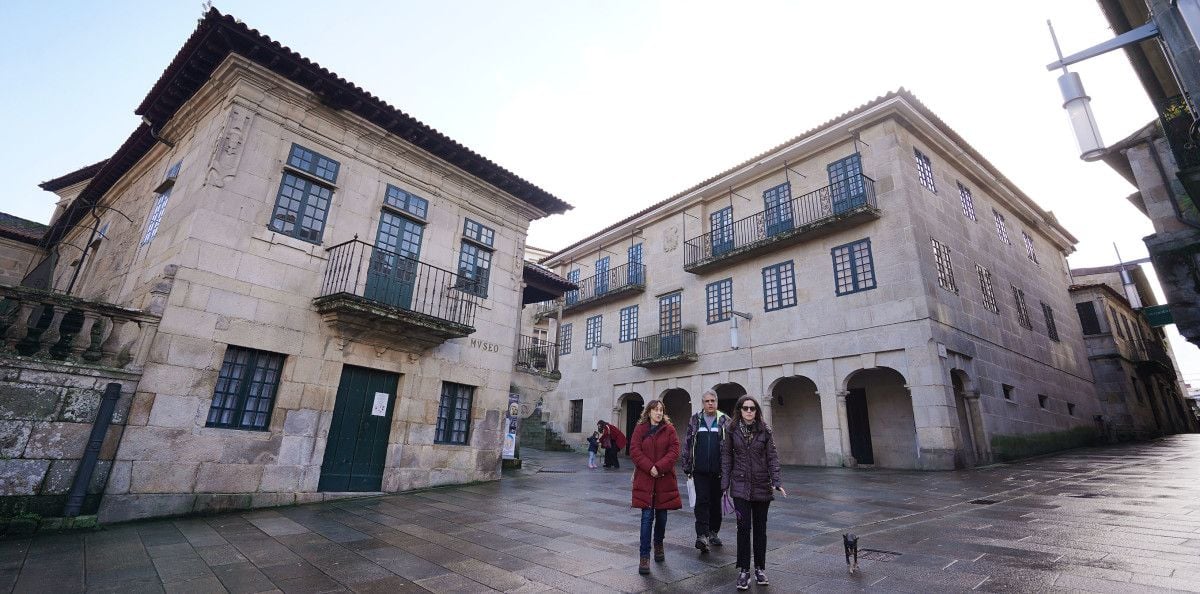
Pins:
x: 46, y: 414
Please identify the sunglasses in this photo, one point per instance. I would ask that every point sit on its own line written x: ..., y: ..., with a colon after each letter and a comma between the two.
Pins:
x: 748, y: 408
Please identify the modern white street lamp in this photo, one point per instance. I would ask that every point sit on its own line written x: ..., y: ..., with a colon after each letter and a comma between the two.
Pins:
x: 1079, y: 109
x: 596, y: 354
x: 733, y: 328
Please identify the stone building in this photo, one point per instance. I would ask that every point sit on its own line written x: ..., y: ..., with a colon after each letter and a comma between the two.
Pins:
x: 890, y: 296
x: 19, y: 249
x: 1135, y: 372
x: 334, y: 288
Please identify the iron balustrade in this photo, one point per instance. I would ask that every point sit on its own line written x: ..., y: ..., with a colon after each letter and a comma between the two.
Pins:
x: 665, y: 347
x: 537, y: 354
x: 385, y: 277
x: 611, y: 281
x: 546, y: 309
x: 827, y: 204
x: 1153, y: 350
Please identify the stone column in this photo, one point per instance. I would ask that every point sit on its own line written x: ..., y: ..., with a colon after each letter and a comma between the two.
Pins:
x: 983, y: 449
x: 765, y: 402
x: 844, y: 429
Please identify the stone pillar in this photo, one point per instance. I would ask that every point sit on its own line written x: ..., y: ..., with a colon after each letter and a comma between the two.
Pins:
x: 765, y: 402
x: 936, y: 421
x: 983, y: 449
x: 844, y: 430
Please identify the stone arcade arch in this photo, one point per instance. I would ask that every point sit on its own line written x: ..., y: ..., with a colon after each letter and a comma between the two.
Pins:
x: 879, y: 414
x: 796, y: 421
x: 631, y: 404
x: 727, y: 395
x: 970, y: 434
x: 678, y: 405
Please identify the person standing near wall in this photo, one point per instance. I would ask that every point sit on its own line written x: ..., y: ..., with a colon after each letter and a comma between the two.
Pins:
x: 654, y: 448
x: 750, y: 473
x: 702, y: 463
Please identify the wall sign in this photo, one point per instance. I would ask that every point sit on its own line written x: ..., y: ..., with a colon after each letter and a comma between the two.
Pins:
x: 379, y: 407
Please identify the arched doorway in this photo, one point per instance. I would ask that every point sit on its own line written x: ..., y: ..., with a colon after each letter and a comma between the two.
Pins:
x: 967, y: 456
x: 796, y: 420
x: 631, y: 411
x: 879, y: 412
x: 678, y: 405
x: 727, y: 395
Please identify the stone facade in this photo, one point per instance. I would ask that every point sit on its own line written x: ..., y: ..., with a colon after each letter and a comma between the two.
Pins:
x: 240, y: 284
x: 941, y: 379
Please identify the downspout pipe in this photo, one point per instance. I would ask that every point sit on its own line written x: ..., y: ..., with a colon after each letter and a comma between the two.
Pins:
x: 87, y: 465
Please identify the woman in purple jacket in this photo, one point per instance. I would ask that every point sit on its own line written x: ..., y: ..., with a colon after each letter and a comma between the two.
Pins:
x: 750, y: 474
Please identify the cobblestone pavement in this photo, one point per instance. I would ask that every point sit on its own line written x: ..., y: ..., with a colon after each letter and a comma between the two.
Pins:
x: 1116, y: 519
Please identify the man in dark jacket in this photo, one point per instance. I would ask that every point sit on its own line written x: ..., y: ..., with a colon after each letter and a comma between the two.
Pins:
x: 702, y: 463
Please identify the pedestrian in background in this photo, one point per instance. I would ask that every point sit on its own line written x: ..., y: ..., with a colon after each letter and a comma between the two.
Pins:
x: 702, y: 463
x: 654, y: 448
x: 750, y: 474
x: 593, y: 442
x: 612, y: 440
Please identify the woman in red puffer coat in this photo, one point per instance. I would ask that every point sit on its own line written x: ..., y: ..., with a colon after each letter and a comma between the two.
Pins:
x: 654, y: 448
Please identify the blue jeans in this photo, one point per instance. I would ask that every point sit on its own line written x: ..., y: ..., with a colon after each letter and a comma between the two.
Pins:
x: 591, y: 458
x: 656, y: 518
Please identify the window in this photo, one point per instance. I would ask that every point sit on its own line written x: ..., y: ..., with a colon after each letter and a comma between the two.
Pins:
x: 1022, y: 311
x: 160, y: 203
x: 1008, y: 391
x: 985, y: 287
x: 1128, y: 330
x: 1029, y: 247
x: 1042, y: 399
x: 1051, y: 328
x: 853, y: 270
x: 564, y: 339
x: 968, y: 203
x: 304, y: 195
x: 945, y: 269
x: 924, y: 170
x: 399, y: 199
x: 1114, y: 322
x: 720, y: 224
x: 1001, y: 230
x: 576, y: 417
x: 573, y: 295
x: 475, y: 259
x: 1087, y: 317
x: 629, y: 323
x: 719, y: 297
x: 779, y: 286
x: 591, y: 337
x: 636, y: 275
x: 1071, y: 408
x: 245, y: 391
x: 454, y: 414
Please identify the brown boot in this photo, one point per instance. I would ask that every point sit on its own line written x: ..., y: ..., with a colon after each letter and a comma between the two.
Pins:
x: 644, y: 566
x: 659, y: 554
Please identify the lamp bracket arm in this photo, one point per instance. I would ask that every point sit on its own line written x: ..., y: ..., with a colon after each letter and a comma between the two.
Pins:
x: 1132, y: 36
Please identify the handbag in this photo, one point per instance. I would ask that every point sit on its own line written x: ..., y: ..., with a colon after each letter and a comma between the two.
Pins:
x: 691, y: 487
x: 728, y: 506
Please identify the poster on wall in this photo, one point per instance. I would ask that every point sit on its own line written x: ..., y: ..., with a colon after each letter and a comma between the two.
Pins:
x: 511, y: 424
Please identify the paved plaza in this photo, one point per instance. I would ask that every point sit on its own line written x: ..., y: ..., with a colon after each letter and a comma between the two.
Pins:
x: 1115, y: 519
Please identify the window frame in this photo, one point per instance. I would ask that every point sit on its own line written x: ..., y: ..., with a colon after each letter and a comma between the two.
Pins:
x: 1095, y: 317
x: 1023, y: 317
x: 924, y: 170
x: 718, y: 294
x: 443, y: 432
x: 245, y: 384
x: 853, y: 266
x: 564, y: 339
x: 968, y: 202
x: 478, y: 276
x: 1001, y: 228
x: 308, y: 179
x: 944, y: 265
x: 593, y: 332
x: 628, y: 328
x: 783, y: 278
x: 1029, y: 248
x: 1051, y: 326
x: 987, y: 289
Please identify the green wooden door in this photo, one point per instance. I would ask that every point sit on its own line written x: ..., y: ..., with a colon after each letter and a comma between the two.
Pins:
x: 358, y: 435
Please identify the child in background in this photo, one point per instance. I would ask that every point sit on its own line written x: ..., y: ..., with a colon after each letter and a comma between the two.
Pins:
x: 593, y: 442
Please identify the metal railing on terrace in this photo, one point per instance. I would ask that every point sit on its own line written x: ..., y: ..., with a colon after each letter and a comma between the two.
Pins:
x: 535, y: 354
x: 1153, y: 350
x: 612, y: 283
x: 791, y: 219
x: 390, y: 279
x: 546, y: 309
x: 677, y: 346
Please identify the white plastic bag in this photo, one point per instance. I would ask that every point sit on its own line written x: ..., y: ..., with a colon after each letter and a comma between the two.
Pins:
x: 691, y: 487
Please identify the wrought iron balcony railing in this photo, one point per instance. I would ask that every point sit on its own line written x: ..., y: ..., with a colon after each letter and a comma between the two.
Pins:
x: 535, y: 354
x: 398, y: 284
x: 546, y: 309
x: 610, y: 284
x: 802, y: 216
x: 666, y: 348
x: 1153, y: 351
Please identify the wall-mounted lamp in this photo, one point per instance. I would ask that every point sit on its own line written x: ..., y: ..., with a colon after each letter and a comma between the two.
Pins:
x: 733, y: 328
x: 596, y: 354
x: 154, y: 135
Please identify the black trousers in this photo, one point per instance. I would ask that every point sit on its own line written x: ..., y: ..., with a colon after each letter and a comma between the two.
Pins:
x: 708, y: 503
x: 610, y: 457
x: 752, y: 516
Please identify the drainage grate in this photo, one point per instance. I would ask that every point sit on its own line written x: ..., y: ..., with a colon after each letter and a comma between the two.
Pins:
x: 984, y: 501
x: 877, y: 555
x: 558, y: 470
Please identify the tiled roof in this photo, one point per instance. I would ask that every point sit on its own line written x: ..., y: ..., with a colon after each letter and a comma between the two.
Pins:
x: 22, y: 230
x: 74, y: 177
x: 219, y: 35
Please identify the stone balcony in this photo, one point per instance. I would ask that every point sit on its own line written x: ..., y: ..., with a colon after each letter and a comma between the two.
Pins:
x: 380, y: 297
x: 831, y: 208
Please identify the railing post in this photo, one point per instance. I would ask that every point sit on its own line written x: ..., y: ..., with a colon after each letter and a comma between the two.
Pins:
x: 19, y: 327
x: 110, y: 349
x: 87, y: 465
x: 82, y: 341
x: 53, y: 333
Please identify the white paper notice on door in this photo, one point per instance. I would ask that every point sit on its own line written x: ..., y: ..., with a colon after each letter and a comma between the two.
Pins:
x: 379, y: 407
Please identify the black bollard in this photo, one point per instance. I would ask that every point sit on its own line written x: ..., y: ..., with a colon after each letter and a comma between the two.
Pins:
x: 87, y: 465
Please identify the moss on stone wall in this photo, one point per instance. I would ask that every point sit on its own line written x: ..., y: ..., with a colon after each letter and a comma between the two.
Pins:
x: 1012, y: 447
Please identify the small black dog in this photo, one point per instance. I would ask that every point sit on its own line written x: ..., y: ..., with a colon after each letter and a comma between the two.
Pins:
x: 851, y: 543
